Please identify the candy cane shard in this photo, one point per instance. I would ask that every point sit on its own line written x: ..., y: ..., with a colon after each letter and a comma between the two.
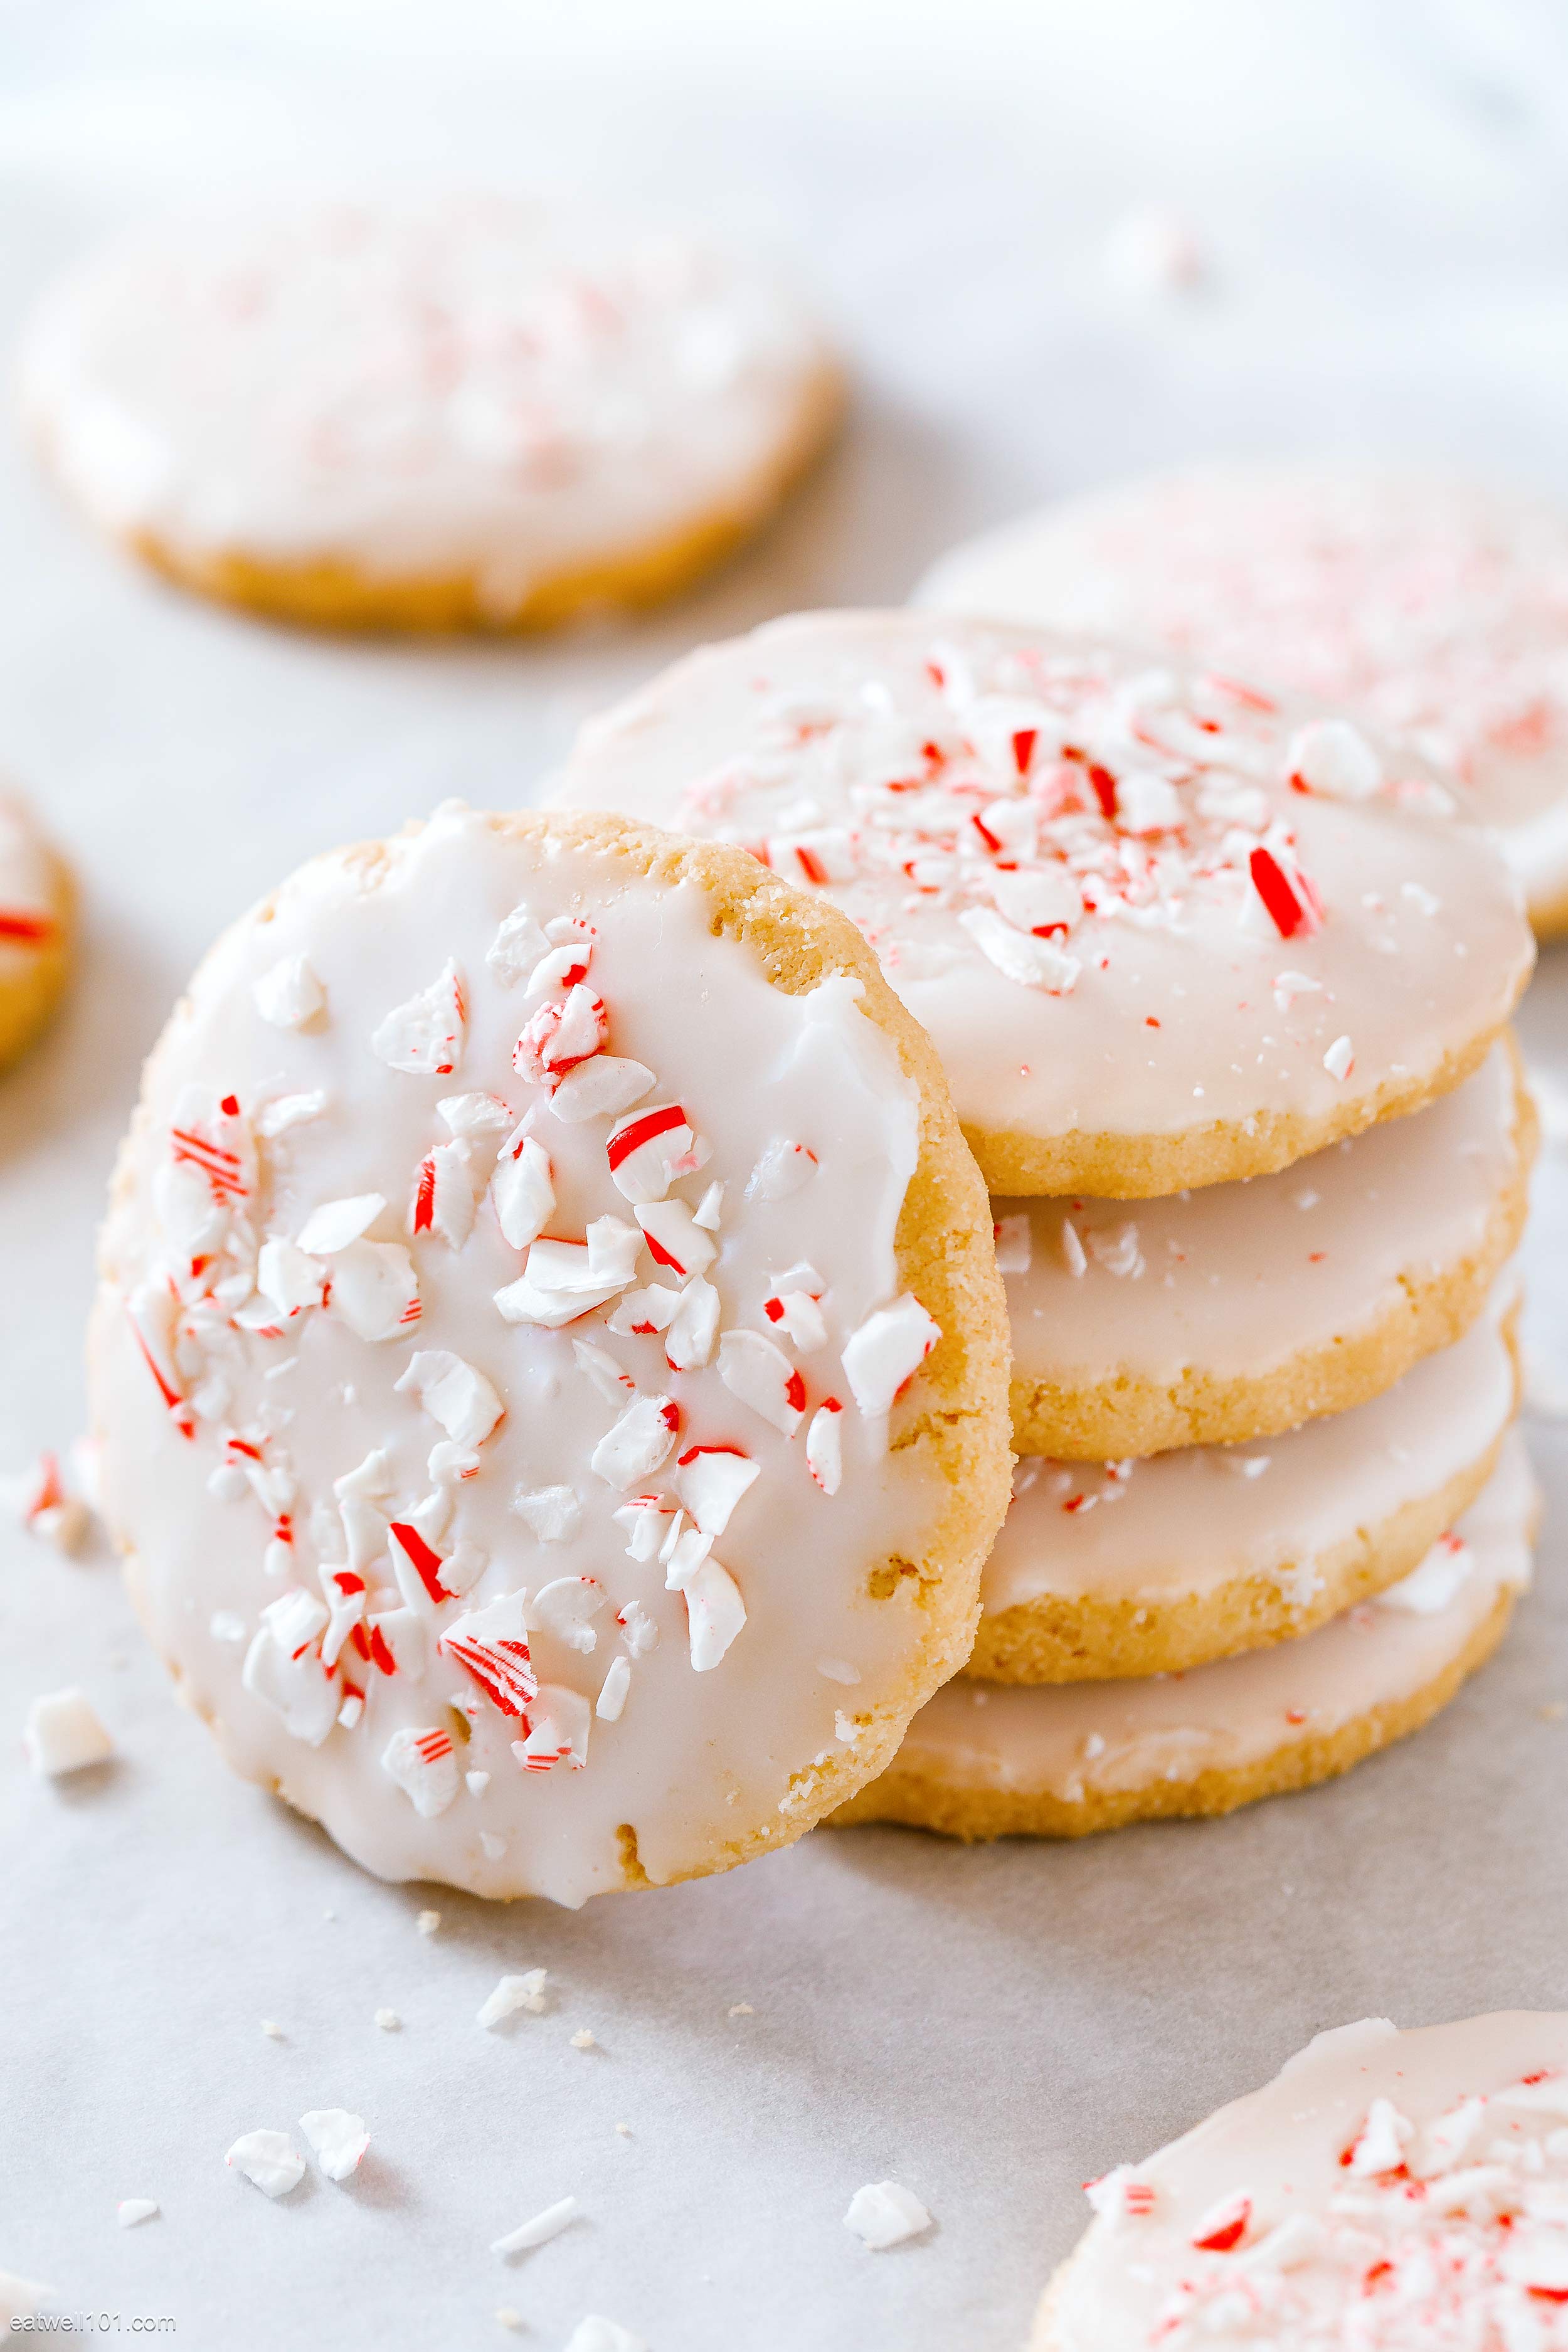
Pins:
x: 553, y: 1514
x: 566, y: 1609
x: 491, y: 1644
x: 715, y: 1610
x: 62, y: 1734
x: 613, y: 1690
x: 287, y: 1278
x: 453, y: 1394
x: 418, y: 1568
x: 425, y: 1036
x: 692, y: 1328
x: 762, y: 1376
x: 644, y: 1518
x: 443, y: 1202
x: 560, y: 1035
x: 710, y: 1480
x: 825, y: 1445
x: 266, y: 2160
x: 600, y: 1088
x: 290, y: 995
x: 886, y: 1350
x: 650, y: 1309
x: 797, y: 1314
x: 1020, y: 956
x: 517, y: 947
x: 375, y: 1290
x: 522, y: 1189
x: 338, y: 2139
x: 359, y: 1494
x: 781, y: 1171
x: 674, y: 1238
x: 425, y: 1767
x: 283, y: 1670
x: 638, y: 1443
x: 154, y: 1311
x: 606, y: 1375
x: 1331, y: 756
x: 638, y: 1630
x: 560, y: 1722
x: 645, y: 1152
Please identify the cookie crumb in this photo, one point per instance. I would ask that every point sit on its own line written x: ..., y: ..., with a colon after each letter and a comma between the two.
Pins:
x: 427, y: 1922
x: 742, y: 2008
x: 584, y: 2039
x: 273, y: 2032
x: 388, y: 2020
x: 131, y: 2210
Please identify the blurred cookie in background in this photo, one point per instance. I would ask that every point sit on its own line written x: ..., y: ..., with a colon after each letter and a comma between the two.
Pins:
x: 474, y: 412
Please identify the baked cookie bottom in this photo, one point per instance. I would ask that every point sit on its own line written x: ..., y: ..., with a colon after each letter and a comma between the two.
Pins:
x: 333, y: 592
x: 1098, y: 1419
x: 1116, y: 1167
x: 920, y: 1800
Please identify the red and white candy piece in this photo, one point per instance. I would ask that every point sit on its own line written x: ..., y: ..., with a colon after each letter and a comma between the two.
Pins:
x: 267, y: 2161
x: 491, y: 1644
x: 559, y: 1721
x: 674, y: 1240
x: 649, y: 1150
x: 782, y: 1170
x: 425, y: 1767
x: 640, y: 1441
x: 443, y: 1202
x: 522, y: 1189
x: 338, y: 2139
x: 711, y: 1481
x: 886, y: 1350
x: 762, y: 1376
x: 426, y: 1036
x: 825, y: 1445
x: 290, y: 996
x: 560, y: 1035
x: 453, y: 1394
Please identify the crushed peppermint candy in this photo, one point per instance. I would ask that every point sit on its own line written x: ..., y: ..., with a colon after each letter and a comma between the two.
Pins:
x: 268, y: 2158
x: 596, y: 2333
x: 512, y: 1994
x: 338, y: 2140
x: 62, y: 1735
x: 130, y: 2210
x: 539, y: 2230
x: 883, y: 2214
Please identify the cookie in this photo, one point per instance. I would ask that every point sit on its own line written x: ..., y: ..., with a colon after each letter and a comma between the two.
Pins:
x: 1387, y: 2190
x: 458, y: 413
x: 1240, y: 1309
x: 1152, y: 1567
x: 549, y: 1365
x: 35, y: 910
x: 1161, y: 932
x: 1427, y: 606
x: 992, y: 1759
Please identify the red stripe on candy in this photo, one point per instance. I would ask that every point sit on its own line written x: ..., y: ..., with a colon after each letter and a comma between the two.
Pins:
x: 642, y: 1130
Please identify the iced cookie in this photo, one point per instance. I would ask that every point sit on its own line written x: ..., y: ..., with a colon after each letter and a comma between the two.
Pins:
x: 994, y: 1759
x: 35, y: 929
x: 1430, y: 607
x: 1396, y: 2192
x: 550, y: 1366
x: 1144, y: 1567
x: 1161, y: 932
x: 1240, y: 1309
x: 473, y: 412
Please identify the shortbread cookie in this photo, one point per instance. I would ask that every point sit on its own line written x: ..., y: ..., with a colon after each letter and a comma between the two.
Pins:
x: 1430, y: 607
x: 35, y: 929
x: 1240, y: 1309
x: 459, y: 414
x: 992, y: 1759
x: 550, y: 1364
x: 1146, y: 1568
x: 1396, y: 2192
x: 1161, y: 932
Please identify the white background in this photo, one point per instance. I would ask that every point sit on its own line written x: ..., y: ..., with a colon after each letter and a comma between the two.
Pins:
x: 1381, y: 196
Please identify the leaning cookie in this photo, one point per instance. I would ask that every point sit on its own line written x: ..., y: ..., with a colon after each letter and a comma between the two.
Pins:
x: 1162, y: 932
x: 1387, y: 2190
x: 1240, y: 1309
x: 474, y: 413
x: 35, y: 910
x: 987, y: 1759
x: 550, y: 1365
x: 1427, y: 606
x: 1149, y: 1568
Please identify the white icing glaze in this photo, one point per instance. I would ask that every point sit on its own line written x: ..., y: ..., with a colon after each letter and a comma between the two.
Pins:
x: 461, y: 385
x: 1386, y: 2192
x: 1232, y: 1281
x: 1179, y: 1526
x: 693, y: 1690
x: 882, y: 755
x: 1079, y: 1740
x: 32, y: 906
x: 1431, y: 607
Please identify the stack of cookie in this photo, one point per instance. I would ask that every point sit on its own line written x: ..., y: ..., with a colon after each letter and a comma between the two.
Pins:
x: 1221, y: 991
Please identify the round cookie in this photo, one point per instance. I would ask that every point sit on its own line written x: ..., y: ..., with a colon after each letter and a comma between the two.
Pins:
x: 549, y: 1364
x: 1240, y: 1309
x: 1161, y: 932
x: 35, y: 912
x: 1153, y: 1567
x: 991, y: 1759
x: 1430, y: 607
x: 463, y: 413
x: 1399, y: 2193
